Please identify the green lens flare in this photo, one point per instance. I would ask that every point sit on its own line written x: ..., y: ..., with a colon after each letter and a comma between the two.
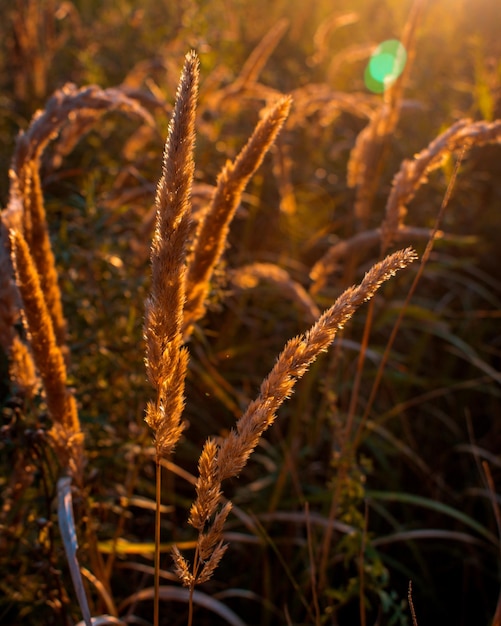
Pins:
x: 386, y: 64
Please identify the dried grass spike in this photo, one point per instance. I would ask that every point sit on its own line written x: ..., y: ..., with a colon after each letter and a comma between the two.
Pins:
x: 211, y: 564
x: 213, y: 230
x: 207, y: 541
x: 166, y: 359
x: 66, y: 430
x: 254, y: 65
x: 414, y: 172
x: 208, y: 487
x: 294, y: 361
x: 182, y: 568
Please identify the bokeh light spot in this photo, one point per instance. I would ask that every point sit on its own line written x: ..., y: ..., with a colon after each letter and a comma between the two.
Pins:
x: 386, y: 64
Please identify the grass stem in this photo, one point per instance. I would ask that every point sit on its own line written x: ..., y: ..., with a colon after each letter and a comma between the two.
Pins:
x: 158, y: 496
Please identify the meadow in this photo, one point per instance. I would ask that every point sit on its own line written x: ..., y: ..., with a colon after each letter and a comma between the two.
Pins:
x: 249, y: 313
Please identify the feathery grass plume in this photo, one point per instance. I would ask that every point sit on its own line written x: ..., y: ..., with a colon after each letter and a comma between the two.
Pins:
x: 248, y: 276
x: 209, y: 548
x: 355, y: 53
x: 213, y: 229
x: 298, y: 354
x: 219, y: 462
x: 368, y: 155
x: 414, y: 172
x: 65, y: 433
x: 166, y: 358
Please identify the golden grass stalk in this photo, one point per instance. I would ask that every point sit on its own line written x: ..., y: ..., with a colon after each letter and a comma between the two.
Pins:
x: 213, y: 230
x: 298, y: 354
x: 225, y: 460
x: 282, y: 170
x: 166, y: 357
x: 65, y: 433
x: 414, y: 172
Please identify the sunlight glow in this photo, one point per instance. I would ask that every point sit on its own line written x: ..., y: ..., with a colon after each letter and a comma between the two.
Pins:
x: 386, y: 64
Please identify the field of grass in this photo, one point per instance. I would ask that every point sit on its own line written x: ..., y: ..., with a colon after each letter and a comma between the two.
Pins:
x: 188, y: 382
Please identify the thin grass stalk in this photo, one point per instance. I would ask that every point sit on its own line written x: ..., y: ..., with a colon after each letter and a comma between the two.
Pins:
x: 345, y: 445
x: 313, y: 573
x: 497, y: 515
x: 329, y: 531
x: 358, y: 374
x: 361, y: 570
x: 411, y: 605
x: 158, y: 498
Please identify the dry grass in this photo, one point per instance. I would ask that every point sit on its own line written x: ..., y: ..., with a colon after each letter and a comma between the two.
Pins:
x: 188, y: 248
x: 66, y: 432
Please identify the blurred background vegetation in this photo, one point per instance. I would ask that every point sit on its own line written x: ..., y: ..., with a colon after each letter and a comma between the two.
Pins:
x: 412, y: 487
